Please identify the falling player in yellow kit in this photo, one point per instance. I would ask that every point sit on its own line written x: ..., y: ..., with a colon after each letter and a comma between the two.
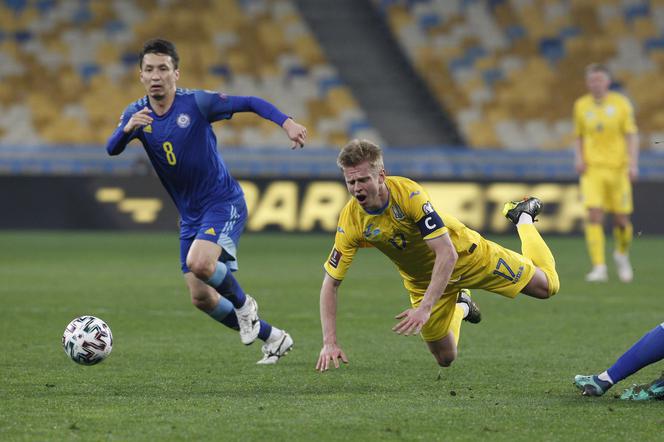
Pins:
x: 437, y: 256
x: 607, y: 160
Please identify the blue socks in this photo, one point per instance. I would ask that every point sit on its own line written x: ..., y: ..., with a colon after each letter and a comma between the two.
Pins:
x: 232, y: 297
x: 225, y: 313
x: 225, y: 283
x: 648, y: 349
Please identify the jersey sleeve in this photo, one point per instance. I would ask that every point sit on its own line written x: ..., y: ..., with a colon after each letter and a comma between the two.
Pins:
x: 578, y: 119
x: 344, y: 249
x: 629, y: 123
x: 214, y: 106
x: 217, y: 106
x: 420, y: 209
x: 119, y: 139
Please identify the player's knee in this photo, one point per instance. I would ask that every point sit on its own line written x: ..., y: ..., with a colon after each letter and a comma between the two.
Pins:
x: 445, y: 358
x: 202, y: 268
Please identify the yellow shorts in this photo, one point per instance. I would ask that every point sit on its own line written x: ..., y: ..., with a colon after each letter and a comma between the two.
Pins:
x: 495, y: 269
x: 607, y: 189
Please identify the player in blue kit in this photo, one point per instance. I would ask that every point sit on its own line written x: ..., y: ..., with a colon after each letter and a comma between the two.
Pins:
x: 174, y: 126
x: 647, y: 350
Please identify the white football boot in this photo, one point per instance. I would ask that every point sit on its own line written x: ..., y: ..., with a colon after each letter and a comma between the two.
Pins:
x: 599, y: 273
x: 247, y: 318
x: 623, y: 266
x: 274, y: 351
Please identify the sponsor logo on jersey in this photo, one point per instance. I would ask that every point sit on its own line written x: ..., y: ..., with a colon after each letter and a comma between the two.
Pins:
x: 340, y: 229
x: 210, y: 231
x: 147, y: 129
x: 183, y: 120
x: 335, y: 257
x: 397, y: 212
x: 223, y: 96
x: 610, y: 111
x: 412, y: 194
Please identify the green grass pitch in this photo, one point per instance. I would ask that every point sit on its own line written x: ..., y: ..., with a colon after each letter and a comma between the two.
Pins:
x: 175, y: 374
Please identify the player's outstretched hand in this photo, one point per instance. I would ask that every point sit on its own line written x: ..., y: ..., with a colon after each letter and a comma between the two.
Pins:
x: 330, y: 354
x: 140, y: 118
x: 413, y: 319
x: 296, y: 132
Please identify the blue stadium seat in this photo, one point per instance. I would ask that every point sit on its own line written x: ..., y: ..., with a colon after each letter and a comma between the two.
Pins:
x: 129, y: 58
x: 22, y: 36
x: 44, y: 6
x: 552, y: 48
x: 89, y: 70
x: 17, y: 6
x: 637, y: 10
x: 115, y: 26
x: 515, y: 32
x: 492, y: 75
x: 569, y: 31
x: 82, y: 15
x: 326, y: 84
x: 654, y: 44
x: 429, y: 20
x: 221, y: 70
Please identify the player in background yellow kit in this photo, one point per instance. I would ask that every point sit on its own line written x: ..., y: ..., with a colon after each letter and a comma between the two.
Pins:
x: 437, y: 256
x: 607, y: 160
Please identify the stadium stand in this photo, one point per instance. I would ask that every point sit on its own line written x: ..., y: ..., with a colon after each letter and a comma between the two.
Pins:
x: 511, y: 70
x: 65, y: 64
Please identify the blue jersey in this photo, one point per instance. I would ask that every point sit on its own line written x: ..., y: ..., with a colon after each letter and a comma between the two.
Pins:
x: 182, y: 147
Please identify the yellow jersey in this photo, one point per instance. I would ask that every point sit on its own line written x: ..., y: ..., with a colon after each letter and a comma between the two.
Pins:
x: 400, y: 230
x: 603, y: 127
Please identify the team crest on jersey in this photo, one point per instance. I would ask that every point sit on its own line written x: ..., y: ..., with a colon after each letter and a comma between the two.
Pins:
x: 397, y: 212
x: 370, y: 232
x: 183, y: 120
x: 427, y: 208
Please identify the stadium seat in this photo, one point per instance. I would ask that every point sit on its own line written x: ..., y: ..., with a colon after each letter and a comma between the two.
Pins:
x: 85, y: 49
x: 522, y: 51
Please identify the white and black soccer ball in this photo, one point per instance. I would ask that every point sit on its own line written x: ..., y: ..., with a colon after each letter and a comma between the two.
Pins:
x: 87, y: 340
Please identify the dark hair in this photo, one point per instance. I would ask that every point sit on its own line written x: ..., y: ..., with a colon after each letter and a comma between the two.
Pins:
x: 159, y: 46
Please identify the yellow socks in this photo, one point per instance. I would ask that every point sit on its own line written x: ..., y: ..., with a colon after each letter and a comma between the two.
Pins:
x: 595, y: 243
x: 534, y: 247
x: 623, y: 238
x: 455, y: 325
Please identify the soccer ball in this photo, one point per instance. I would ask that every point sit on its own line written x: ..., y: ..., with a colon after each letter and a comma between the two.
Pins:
x: 87, y: 340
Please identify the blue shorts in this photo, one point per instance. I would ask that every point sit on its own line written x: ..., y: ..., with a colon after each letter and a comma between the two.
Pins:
x: 221, y: 224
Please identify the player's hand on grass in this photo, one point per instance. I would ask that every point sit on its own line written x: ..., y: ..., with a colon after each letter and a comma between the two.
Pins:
x: 330, y: 354
x: 296, y: 132
x: 139, y: 119
x: 413, y: 319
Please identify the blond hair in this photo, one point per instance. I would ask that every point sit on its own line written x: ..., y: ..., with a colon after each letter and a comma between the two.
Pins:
x: 598, y: 67
x: 359, y: 151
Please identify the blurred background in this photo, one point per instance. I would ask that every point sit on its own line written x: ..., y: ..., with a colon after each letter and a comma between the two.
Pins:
x: 472, y: 97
